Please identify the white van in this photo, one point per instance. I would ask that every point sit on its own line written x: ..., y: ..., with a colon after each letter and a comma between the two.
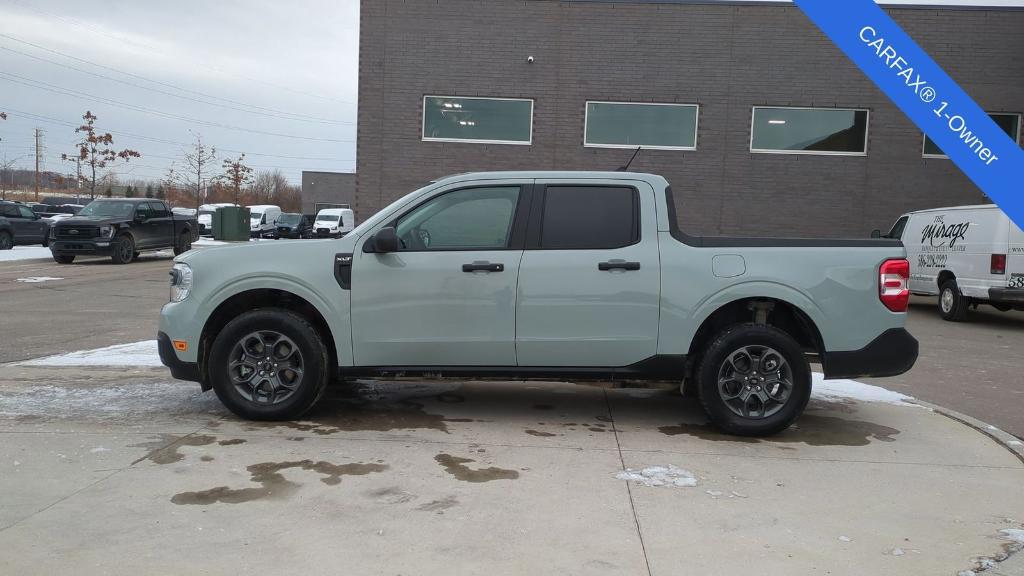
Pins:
x: 965, y: 255
x: 335, y: 222
x: 263, y: 220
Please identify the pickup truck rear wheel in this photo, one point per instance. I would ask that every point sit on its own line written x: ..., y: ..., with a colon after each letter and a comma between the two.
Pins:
x: 952, y: 303
x: 184, y: 243
x: 269, y: 364
x: 63, y: 258
x: 124, y: 250
x: 753, y: 380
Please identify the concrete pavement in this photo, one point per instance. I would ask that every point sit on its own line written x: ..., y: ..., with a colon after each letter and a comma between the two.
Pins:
x: 122, y: 470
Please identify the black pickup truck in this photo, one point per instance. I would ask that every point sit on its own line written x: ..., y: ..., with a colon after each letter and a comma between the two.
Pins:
x: 121, y: 228
x: 19, y: 225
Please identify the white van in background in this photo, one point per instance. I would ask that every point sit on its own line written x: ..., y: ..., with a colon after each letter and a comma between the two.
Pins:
x: 263, y: 220
x: 965, y: 255
x: 334, y: 222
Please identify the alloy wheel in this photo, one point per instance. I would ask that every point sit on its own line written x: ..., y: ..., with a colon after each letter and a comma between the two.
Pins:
x: 755, y: 381
x: 266, y: 367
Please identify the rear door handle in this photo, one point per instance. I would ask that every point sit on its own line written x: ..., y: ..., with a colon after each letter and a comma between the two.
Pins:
x: 618, y: 265
x: 483, y: 266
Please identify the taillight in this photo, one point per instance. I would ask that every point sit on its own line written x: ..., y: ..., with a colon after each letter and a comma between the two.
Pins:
x: 893, y: 284
x: 999, y: 263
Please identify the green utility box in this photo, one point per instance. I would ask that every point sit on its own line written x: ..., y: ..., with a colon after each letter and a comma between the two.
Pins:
x: 231, y: 224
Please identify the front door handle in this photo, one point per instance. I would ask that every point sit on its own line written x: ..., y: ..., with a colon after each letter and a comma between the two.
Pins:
x: 483, y: 266
x: 618, y: 265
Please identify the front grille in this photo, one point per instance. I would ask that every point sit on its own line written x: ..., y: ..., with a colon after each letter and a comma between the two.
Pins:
x: 76, y: 232
x: 323, y: 230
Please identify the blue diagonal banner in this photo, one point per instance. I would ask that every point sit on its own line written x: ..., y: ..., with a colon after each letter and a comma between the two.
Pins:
x: 927, y: 95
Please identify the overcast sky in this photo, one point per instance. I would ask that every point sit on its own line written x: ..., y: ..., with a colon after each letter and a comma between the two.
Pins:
x: 270, y: 78
x: 274, y: 79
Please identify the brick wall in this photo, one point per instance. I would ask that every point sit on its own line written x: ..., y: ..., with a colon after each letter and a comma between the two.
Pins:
x: 333, y: 187
x: 726, y: 58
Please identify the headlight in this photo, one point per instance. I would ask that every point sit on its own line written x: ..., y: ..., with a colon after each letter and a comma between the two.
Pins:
x: 181, y: 281
x: 106, y: 231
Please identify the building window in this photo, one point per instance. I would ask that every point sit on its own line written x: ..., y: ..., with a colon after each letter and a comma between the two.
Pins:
x: 631, y: 124
x: 809, y: 131
x: 1010, y: 123
x: 480, y: 120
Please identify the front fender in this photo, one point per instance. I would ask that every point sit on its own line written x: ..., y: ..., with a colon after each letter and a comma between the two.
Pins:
x: 336, y: 317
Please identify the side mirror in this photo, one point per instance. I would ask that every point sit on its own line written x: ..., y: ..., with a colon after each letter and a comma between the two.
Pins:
x: 876, y: 233
x: 384, y: 241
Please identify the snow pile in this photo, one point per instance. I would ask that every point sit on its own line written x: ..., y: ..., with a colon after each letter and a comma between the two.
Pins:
x: 1015, y: 534
x: 37, y: 279
x: 659, y: 476
x: 208, y: 242
x: 137, y: 354
x: 25, y: 253
x: 105, y: 401
x: 833, y: 390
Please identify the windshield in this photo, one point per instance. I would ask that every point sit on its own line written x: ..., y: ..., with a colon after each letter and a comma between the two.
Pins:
x: 206, y: 212
x: 256, y: 216
x: 107, y: 208
x: 388, y: 211
x: 327, y: 218
x: 289, y: 218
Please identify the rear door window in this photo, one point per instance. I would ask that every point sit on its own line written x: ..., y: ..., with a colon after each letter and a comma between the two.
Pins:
x: 589, y: 217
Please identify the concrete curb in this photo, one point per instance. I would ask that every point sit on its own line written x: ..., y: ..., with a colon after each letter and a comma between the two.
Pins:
x: 1013, y: 565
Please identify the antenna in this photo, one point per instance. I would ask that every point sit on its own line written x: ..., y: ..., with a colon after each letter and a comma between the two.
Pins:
x: 626, y: 167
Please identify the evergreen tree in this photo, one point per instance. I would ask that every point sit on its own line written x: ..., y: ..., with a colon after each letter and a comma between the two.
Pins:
x: 149, y: 191
x: 129, y: 193
x: 160, y: 194
x: 109, y: 192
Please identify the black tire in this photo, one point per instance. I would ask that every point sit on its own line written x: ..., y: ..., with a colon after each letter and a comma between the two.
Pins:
x: 726, y: 345
x: 6, y: 241
x: 183, y: 243
x: 953, y: 304
x: 124, y: 249
x: 313, y: 356
x: 46, y: 240
x: 63, y: 258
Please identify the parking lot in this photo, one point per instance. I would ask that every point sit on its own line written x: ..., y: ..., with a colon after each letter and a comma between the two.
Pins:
x: 112, y: 466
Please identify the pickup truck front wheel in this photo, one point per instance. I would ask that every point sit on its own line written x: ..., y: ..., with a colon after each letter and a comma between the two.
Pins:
x: 268, y: 364
x: 753, y: 380
x: 183, y: 244
x: 123, y: 250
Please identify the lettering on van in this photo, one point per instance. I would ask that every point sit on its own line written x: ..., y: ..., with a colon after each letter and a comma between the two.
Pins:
x: 939, y: 234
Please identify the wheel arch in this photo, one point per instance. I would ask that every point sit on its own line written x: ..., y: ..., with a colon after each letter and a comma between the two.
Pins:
x: 943, y: 277
x: 245, y: 299
x: 780, y: 313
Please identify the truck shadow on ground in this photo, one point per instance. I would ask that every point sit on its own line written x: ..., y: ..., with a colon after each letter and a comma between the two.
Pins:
x: 546, y: 412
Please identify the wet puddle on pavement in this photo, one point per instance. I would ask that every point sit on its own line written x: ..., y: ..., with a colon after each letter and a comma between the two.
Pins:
x: 809, y: 429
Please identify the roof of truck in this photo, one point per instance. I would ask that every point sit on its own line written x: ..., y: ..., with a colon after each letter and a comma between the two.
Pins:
x: 552, y: 174
x: 947, y: 209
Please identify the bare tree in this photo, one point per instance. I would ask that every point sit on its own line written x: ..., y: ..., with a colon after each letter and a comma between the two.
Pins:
x: 237, y: 175
x: 268, y: 186
x: 7, y: 166
x: 96, y: 152
x: 196, y: 169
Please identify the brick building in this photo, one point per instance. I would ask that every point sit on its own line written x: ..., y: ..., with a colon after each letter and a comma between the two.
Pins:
x: 327, y: 188
x: 759, y: 122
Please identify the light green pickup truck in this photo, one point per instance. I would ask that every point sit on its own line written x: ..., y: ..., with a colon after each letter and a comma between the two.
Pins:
x: 567, y: 275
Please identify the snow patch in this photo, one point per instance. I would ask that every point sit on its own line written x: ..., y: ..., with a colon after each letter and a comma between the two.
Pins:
x: 1014, y: 534
x: 37, y: 279
x: 136, y: 354
x: 25, y: 253
x: 1015, y: 443
x: 659, y: 476
x: 833, y: 390
x: 844, y: 538
x: 105, y: 402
